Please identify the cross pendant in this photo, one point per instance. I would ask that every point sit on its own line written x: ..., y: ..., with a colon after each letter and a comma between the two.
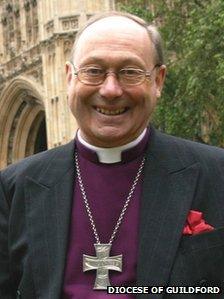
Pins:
x: 102, y: 263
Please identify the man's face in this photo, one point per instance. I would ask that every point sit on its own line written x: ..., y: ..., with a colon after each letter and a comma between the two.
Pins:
x: 112, y: 114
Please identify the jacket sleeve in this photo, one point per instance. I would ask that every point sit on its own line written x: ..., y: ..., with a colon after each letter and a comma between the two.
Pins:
x: 6, y: 287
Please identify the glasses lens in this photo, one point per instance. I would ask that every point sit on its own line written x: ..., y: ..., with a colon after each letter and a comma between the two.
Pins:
x: 131, y: 76
x: 91, y: 75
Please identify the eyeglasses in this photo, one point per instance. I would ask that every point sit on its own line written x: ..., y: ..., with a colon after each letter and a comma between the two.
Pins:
x: 92, y: 75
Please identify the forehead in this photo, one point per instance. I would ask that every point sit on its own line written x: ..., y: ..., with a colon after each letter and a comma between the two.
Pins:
x: 115, y: 35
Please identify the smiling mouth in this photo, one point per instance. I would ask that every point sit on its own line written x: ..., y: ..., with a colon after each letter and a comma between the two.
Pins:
x: 111, y: 112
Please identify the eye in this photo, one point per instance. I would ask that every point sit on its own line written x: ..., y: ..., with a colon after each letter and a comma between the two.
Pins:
x: 129, y: 72
x: 93, y: 71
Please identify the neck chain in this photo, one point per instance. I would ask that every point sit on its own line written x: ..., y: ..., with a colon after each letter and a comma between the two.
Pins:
x: 103, y: 262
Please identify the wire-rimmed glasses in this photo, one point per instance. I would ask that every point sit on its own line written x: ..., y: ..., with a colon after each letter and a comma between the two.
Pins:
x: 94, y: 75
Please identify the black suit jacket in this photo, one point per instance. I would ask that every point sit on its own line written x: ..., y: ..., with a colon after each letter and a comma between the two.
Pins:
x: 179, y: 175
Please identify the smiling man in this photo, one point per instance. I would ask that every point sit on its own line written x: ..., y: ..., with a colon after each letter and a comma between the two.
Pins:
x: 122, y: 204
x: 118, y: 81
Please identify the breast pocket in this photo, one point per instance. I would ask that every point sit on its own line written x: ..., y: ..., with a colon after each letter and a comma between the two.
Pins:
x: 200, y: 260
x: 203, y: 241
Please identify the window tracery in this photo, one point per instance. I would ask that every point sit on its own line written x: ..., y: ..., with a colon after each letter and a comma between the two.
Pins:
x: 11, y: 28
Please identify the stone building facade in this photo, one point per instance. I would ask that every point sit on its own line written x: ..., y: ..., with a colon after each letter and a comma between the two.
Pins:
x: 36, y: 37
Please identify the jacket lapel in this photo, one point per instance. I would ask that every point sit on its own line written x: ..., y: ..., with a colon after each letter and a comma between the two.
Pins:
x: 168, y: 190
x: 48, y: 206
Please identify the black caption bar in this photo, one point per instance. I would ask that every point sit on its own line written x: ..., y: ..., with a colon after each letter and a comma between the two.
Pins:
x: 162, y: 290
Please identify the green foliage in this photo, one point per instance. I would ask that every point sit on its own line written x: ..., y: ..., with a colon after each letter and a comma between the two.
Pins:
x: 136, y: 7
x: 192, y: 102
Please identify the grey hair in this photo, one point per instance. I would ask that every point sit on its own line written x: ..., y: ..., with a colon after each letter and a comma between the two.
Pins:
x: 152, y: 31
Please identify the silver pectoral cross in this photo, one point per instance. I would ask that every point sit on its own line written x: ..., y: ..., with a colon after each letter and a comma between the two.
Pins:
x: 102, y: 263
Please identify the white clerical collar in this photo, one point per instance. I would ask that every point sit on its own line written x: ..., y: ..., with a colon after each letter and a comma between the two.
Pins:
x: 111, y: 155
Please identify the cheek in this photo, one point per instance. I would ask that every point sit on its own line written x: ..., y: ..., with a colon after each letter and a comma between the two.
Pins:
x: 151, y: 97
x: 74, y: 93
x: 82, y: 92
x: 71, y: 93
x: 142, y: 98
x: 72, y: 103
x: 145, y: 102
x: 80, y: 98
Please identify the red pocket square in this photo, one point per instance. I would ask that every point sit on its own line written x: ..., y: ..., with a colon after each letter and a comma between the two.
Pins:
x: 195, y: 224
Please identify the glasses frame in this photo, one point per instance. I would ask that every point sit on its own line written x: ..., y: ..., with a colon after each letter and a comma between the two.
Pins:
x: 147, y: 74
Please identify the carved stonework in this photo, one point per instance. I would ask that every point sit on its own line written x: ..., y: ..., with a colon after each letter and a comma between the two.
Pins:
x: 27, y: 5
x: 8, y: 7
x: 16, y: 10
x: 11, y: 28
x: 74, y: 23
x: 65, y: 25
x: 51, y: 49
x: 49, y: 27
x: 13, y: 130
x: 67, y: 46
x: 27, y: 60
x: 69, y: 23
x: 35, y: 22
x: 12, y: 51
x: 88, y: 16
x: 4, y: 19
x: 34, y: 3
x: 37, y: 74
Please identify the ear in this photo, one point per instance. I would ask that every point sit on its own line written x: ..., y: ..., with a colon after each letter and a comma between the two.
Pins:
x: 68, y: 70
x: 160, y: 78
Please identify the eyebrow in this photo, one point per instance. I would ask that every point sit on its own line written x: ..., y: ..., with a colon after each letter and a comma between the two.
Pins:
x: 102, y: 61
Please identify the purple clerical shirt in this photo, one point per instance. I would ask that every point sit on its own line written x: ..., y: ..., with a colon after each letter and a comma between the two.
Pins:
x: 107, y: 187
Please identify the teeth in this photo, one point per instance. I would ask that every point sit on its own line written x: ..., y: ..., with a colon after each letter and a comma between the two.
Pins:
x: 110, y: 112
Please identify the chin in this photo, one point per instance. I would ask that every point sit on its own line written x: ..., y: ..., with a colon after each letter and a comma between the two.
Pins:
x: 112, y: 137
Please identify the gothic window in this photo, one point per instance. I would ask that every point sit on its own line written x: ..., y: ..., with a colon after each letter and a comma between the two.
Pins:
x: 11, y: 27
x: 28, y: 16
x: 31, y: 15
x: 5, y: 22
x: 16, y: 12
x: 35, y: 20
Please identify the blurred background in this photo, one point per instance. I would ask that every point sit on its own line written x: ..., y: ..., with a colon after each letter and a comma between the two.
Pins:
x: 36, y: 37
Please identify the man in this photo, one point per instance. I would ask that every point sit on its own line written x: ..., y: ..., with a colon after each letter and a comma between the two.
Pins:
x: 124, y: 205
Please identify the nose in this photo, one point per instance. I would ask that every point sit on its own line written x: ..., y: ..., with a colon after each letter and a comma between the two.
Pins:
x: 111, y: 88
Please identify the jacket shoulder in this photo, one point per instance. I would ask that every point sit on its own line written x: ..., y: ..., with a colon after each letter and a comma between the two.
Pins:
x: 198, y: 151
x: 36, y: 163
